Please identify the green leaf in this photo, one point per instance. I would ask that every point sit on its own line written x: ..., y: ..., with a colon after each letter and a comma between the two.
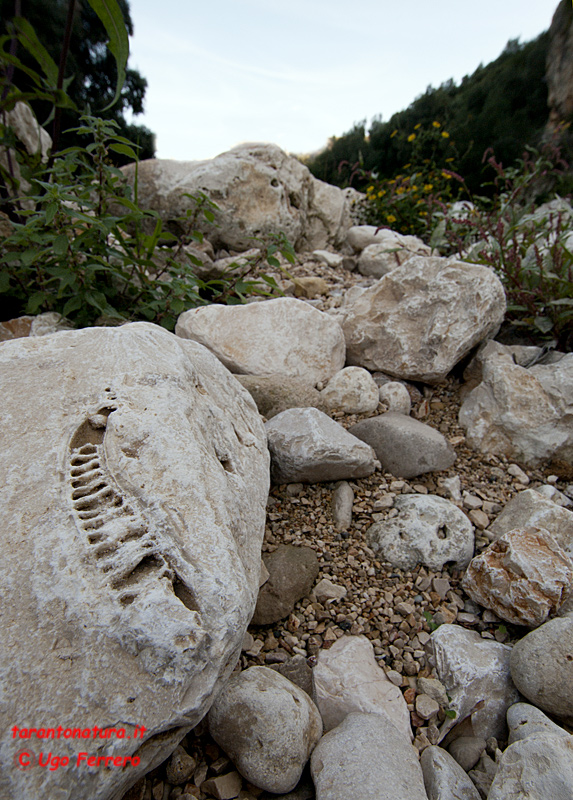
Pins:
x: 125, y: 150
x: 273, y: 262
x: 209, y: 216
x: 110, y: 15
x: 73, y: 304
x: 61, y: 244
x: 4, y: 282
x: 449, y: 712
x: 544, y: 324
x: 35, y: 301
x: 28, y: 39
x: 51, y: 213
x: 177, y: 305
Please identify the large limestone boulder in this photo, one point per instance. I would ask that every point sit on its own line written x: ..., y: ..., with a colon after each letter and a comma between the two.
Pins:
x: 282, y: 336
x: 535, y: 768
x: 259, y: 190
x: 524, y: 414
x: 419, y: 320
x: 133, y: 487
x: 392, y: 251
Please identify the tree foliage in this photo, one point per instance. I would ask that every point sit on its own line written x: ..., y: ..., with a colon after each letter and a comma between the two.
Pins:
x: 90, y: 63
x: 502, y: 106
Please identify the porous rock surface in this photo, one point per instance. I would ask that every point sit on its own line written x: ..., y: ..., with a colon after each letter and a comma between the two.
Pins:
x: 393, y: 250
x: 351, y: 390
x: 308, y: 446
x: 522, y: 413
x: 268, y: 727
x: 281, y: 336
x: 419, y: 320
x: 259, y: 190
x: 366, y: 758
x: 348, y: 679
x: 524, y: 577
x: 536, y: 768
x: 427, y: 530
x: 523, y: 720
x: 134, y: 477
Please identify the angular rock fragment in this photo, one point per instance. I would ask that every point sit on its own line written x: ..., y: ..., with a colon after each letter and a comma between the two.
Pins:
x: 444, y: 779
x: 282, y: 336
x: 292, y: 572
x: 308, y: 446
x: 524, y: 577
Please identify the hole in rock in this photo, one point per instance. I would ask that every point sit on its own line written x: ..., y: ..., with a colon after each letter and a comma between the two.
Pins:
x: 185, y: 594
x: 88, y: 434
x: 442, y: 532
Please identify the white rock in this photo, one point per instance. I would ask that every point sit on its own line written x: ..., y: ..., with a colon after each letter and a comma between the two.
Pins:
x: 523, y: 720
x: 276, y: 336
x: 347, y: 678
x: 396, y: 397
x: 328, y: 258
x: 307, y: 446
x: 476, y: 675
x: 259, y: 190
x: 536, y: 768
x: 365, y: 758
x: 342, y: 503
x: 419, y: 320
x: 325, y: 589
x: 444, y: 779
x: 394, y: 249
x: 524, y: 577
x: 267, y: 726
x: 529, y: 509
x: 553, y: 494
x: 520, y: 413
x: 427, y: 530
x: 453, y: 487
x: 133, y: 488
x: 351, y: 390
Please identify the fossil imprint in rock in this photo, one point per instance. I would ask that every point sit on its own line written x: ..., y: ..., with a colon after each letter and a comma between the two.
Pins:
x: 134, y: 475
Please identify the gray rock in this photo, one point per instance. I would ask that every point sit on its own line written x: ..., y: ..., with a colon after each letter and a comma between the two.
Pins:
x: 297, y: 670
x: 276, y: 393
x: 347, y: 678
x: 260, y: 706
x: 259, y: 190
x: 427, y: 530
x: 529, y: 509
x: 396, y: 396
x: 523, y: 720
x: 421, y: 319
x: 275, y: 337
x: 444, y: 779
x: 292, y: 572
x: 307, y: 446
x: 537, y: 768
x: 342, y: 502
x: 351, y: 390
x: 523, y: 414
x: 133, y: 573
x: 366, y: 758
x: 405, y: 446
x: 467, y: 751
x: 393, y: 250
x: 476, y: 675
x: 542, y: 667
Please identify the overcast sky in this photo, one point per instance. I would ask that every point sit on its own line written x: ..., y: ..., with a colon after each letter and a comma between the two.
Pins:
x: 295, y: 72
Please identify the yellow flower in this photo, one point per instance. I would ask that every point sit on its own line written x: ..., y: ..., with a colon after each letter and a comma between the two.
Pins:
x: 436, y: 124
x: 390, y: 218
x: 400, y: 190
x: 411, y: 137
x: 417, y: 126
x: 428, y: 187
x: 406, y: 166
x: 414, y: 188
x: 393, y: 133
x: 423, y: 214
x: 381, y: 194
x: 446, y: 175
x: 369, y: 190
x: 449, y: 160
x: 445, y: 134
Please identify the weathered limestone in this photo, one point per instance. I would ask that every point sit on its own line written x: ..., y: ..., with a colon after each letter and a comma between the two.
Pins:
x: 524, y: 720
x: 476, y: 675
x: 366, y: 758
x: 444, y: 779
x: 405, y: 446
x: 535, y: 768
x: 392, y: 251
x: 276, y: 393
x: 308, y: 446
x: 396, y: 397
x: 524, y: 577
x: 520, y: 413
x: 282, y: 336
x: 133, y: 488
x: 542, y: 667
x: 259, y: 189
x: 268, y: 727
x: 428, y: 530
x: 419, y: 320
x: 351, y: 390
x: 529, y: 509
x: 347, y: 679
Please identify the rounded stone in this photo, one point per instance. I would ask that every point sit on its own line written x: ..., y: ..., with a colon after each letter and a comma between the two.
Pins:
x: 351, y: 390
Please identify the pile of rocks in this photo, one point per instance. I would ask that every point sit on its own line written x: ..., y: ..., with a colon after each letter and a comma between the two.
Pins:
x: 416, y: 582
